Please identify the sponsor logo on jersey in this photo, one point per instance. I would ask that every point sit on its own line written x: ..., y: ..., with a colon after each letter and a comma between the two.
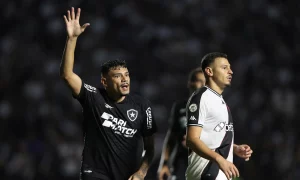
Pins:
x: 222, y: 125
x: 87, y: 171
x: 149, y: 118
x: 193, y: 107
x: 192, y: 118
x: 118, y: 125
x: 108, y: 106
x: 132, y: 114
x: 90, y: 88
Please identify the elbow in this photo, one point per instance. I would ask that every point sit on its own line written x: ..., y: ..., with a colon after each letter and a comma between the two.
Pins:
x: 63, y: 75
x: 189, y: 142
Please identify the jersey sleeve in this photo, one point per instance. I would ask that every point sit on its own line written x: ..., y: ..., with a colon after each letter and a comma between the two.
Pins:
x: 196, y: 111
x: 86, y: 94
x: 149, y: 124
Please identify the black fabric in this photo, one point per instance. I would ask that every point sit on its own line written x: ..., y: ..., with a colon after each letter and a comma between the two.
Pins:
x: 178, y: 123
x: 113, y: 133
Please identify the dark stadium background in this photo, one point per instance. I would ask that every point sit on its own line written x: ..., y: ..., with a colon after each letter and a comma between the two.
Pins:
x: 40, y: 132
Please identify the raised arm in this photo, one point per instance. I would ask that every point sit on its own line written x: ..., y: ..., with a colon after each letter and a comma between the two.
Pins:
x: 66, y: 68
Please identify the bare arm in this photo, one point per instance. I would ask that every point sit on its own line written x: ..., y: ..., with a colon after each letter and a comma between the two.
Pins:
x: 147, y: 159
x: 66, y: 68
x: 200, y: 148
x: 169, y: 143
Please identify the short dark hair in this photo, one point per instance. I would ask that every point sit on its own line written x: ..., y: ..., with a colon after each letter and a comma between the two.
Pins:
x: 193, y: 73
x: 112, y: 64
x: 209, y: 58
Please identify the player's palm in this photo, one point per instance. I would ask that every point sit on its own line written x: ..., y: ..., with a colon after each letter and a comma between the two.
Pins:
x: 72, y: 23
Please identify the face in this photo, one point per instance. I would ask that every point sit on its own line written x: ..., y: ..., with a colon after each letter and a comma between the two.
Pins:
x: 198, y: 82
x: 117, y: 81
x: 221, y: 72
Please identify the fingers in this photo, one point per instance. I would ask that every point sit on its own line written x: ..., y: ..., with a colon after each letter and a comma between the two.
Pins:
x: 232, y: 172
x: 236, y: 171
x: 249, y: 152
x: 228, y: 175
x: 84, y: 26
x: 66, y: 20
x: 69, y: 16
x: 73, y: 14
x: 78, y: 14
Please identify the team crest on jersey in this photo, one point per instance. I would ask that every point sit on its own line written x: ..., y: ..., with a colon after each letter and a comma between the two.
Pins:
x: 193, y: 107
x: 132, y: 114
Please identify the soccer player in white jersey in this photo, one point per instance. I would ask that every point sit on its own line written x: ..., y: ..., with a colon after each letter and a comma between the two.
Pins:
x: 210, y: 132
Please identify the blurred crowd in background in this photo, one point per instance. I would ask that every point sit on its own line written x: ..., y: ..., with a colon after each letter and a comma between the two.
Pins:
x: 40, y: 122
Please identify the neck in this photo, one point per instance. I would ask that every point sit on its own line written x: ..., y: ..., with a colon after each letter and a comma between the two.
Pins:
x: 214, y: 86
x: 115, y: 98
x: 191, y: 91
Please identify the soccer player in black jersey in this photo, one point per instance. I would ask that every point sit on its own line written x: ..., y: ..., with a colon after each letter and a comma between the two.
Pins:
x: 117, y: 125
x: 174, y: 155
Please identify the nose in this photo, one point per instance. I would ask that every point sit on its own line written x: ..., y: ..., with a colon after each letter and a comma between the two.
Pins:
x: 123, y: 78
x: 230, y: 71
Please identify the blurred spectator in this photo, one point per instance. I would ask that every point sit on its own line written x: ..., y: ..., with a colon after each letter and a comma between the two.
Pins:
x: 161, y: 41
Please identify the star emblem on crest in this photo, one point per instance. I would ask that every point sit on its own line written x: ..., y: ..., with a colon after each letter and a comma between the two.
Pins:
x: 132, y: 114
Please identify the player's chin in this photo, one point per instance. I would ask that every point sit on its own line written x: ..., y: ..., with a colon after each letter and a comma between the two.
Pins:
x: 125, y: 93
x: 228, y: 84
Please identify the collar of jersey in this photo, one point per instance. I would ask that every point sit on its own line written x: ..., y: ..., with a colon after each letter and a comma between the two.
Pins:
x: 215, y: 92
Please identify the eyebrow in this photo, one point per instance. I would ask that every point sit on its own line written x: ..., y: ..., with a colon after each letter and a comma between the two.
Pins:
x: 225, y: 65
x: 120, y: 73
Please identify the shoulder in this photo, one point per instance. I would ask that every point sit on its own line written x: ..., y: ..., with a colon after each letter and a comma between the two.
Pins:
x: 198, y: 95
x: 89, y: 87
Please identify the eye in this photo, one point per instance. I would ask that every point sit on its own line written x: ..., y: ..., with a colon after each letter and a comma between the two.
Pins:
x: 117, y: 76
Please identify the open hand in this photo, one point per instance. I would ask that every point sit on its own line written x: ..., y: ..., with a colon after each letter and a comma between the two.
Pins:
x: 72, y: 23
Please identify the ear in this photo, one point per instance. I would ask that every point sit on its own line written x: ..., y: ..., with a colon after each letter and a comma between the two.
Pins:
x: 209, y: 71
x: 104, y: 82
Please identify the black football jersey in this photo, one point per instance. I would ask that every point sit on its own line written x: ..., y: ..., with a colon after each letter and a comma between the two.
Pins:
x: 113, y: 133
x: 178, y: 122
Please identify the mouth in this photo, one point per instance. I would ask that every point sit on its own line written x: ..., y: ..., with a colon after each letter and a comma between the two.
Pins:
x: 229, y: 78
x: 125, y: 87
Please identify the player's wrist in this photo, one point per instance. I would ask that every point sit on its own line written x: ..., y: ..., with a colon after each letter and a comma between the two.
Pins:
x: 142, y: 173
x: 72, y: 38
x: 218, y: 159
